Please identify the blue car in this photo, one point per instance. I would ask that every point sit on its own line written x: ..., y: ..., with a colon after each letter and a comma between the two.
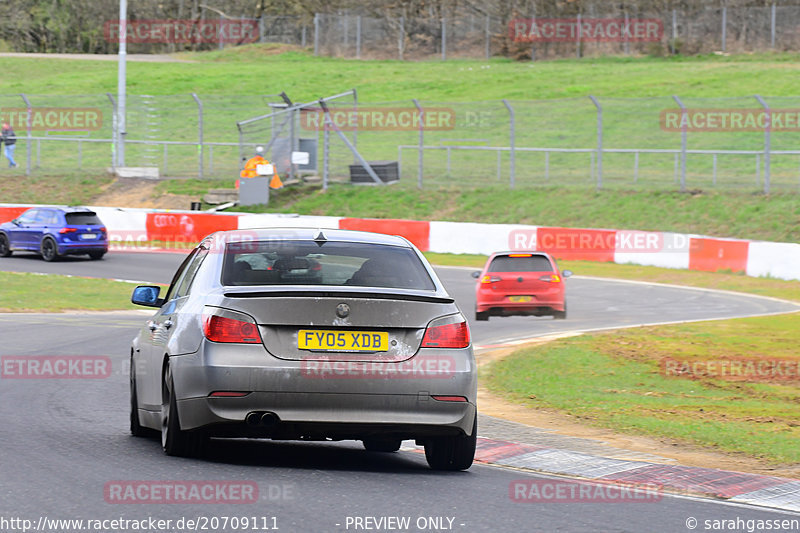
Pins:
x: 54, y: 232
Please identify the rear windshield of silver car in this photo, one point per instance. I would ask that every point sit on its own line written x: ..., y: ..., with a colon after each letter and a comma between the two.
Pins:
x: 521, y: 263
x: 330, y: 263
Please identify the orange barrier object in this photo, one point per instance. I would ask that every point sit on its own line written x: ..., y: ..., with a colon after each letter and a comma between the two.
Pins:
x: 185, y: 227
x: 712, y: 255
x: 416, y: 231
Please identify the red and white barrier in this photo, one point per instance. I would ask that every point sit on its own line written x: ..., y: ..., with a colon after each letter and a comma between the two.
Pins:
x: 662, y: 249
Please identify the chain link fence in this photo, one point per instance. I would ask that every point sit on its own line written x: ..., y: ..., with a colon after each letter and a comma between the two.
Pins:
x: 689, y: 30
x: 668, y: 143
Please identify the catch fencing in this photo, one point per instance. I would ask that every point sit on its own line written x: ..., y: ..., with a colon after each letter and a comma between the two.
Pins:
x: 465, y: 34
x: 667, y: 143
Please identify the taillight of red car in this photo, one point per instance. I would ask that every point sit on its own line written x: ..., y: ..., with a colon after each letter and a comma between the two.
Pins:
x: 223, y: 329
x: 551, y: 278
x: 447, y: 336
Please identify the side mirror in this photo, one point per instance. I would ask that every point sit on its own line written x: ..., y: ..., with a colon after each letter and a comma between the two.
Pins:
x: 566, y: 273
x: 476, y: 274
x: 147, y: 295
x: 15, y: 222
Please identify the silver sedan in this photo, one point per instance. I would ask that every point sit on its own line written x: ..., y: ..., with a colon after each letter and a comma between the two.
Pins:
x: 306, y: 334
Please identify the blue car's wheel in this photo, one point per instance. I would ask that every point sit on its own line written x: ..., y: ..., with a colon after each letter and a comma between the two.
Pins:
x: 49, y: 249
x: 5, y: 247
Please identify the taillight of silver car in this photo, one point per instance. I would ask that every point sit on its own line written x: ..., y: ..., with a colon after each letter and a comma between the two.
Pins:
x: 219, y: 328
x: 447, y: 336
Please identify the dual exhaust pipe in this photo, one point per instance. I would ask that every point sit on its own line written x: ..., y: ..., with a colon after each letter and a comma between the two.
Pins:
x: 261, y: 418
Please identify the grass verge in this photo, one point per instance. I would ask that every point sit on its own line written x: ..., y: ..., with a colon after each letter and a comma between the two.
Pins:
x: 619, y: 380
x: 63, y: 188
x: 24, y: 292
x: 729, y: 214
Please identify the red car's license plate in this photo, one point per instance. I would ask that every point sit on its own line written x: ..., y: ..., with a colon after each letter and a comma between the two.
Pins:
x: 520, y: 299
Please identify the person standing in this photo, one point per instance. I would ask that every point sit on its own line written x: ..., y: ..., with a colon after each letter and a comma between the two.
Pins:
x: 251, y: 169
x: 10, y: 139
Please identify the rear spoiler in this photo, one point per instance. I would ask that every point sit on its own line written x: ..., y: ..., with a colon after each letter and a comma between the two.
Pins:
x: 340, y: 294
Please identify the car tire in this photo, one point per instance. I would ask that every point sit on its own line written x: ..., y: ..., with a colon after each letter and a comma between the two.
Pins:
x: 5, y: 246
x: 452, y: 453
x: 481, y: 316
x: 174, y: 440
x: 382, y: 445
x: 96, y: 255
x: 137, y: 430
x: 561, y: 315
x: 49, y: 249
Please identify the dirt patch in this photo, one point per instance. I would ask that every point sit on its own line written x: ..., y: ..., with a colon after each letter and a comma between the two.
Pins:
x: 137, y: 192
x: 563, y: 424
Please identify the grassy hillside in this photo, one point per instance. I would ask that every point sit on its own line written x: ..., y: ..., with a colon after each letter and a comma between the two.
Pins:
x: 262, y: 69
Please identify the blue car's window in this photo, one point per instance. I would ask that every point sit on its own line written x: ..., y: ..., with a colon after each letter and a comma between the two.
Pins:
x: 289, y: 262
x: 28, y: 217
x: 86, y: 218
x: 42, y: 216
x: 50, y: 218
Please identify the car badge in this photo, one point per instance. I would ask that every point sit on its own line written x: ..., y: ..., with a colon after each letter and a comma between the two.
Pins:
x: 342, y: 310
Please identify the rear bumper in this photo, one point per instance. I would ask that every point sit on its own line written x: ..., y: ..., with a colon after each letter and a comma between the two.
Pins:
x: 347, y: 400
x: 336, y: 416
x: 82, y: 247
x: 488, y: 300
x: 506, y: 307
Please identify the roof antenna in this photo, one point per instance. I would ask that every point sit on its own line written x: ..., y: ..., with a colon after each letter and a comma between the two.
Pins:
x: 320, y: 239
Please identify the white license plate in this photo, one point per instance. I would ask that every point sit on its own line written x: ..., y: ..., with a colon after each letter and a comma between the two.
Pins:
x: 89, y: 236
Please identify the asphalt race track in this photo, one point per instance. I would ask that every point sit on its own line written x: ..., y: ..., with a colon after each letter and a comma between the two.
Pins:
x: 63, y: 441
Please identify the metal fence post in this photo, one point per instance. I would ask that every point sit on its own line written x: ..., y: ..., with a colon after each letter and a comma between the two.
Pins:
x: 444, y: 39
x: 401, y: 38
x: 488, y: 38
x: 714, y: 176
x: 262, y: 33
x: 326, y: 141
x: 421, y: 142
x: 684, y: 121
x: 578, y: 37
x: 599, y: 141
x: 199, y: 135
x: 724, y: 26
x: 627, y: 45
x: 316, y: 34
x: 346, y: 33
x: 767, y: 142
x: 114, y: 134
x: 512, y: 139
x: 29, y: 141
x: 355, y: 129
x: 358, y: 37
x: 772, y: 28
x: 674, y: 30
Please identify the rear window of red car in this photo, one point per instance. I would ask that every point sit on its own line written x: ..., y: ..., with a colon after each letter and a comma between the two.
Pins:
x: 532, y: 263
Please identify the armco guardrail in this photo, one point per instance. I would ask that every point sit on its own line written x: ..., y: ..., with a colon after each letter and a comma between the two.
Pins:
x: 135, y: 229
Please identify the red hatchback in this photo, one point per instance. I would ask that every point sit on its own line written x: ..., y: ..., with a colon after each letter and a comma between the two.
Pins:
x: 520, y: 283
